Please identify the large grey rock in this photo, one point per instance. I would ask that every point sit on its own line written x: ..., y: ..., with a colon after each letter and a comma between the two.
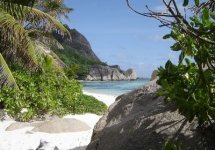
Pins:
x: 18, y: 125
x: 154, y: 75
x: 113, y: 73
x: 131, y: 74
x: 140, y: 120
x: 60, y: 125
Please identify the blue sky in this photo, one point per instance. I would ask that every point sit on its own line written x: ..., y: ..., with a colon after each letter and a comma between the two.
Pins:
x: 119, y: 36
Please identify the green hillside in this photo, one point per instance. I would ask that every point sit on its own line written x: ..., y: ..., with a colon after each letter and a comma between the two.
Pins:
x: 72, y: 56
x: 78, y: 64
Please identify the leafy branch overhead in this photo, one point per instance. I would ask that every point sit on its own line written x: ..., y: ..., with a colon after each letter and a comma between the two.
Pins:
x: 191, y: 83
x: 173, y: 15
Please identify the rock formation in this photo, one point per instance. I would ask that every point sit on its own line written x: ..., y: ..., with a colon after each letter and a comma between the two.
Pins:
x: 46, y: 145
x: 113, y: 73
x: 58, y: 125
x: 79, y: 42
x: 140, y: 120
x: 96, y: 72
x: 154, y: 75
x: 131, y: 74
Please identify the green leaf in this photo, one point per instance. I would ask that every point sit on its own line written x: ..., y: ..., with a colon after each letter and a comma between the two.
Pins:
x: 15, y: 35
x: 167, y: 36
x: 36, y: 16
x: 205, y: 16
x: 20, y: 2
x: 197, y: 2
x: 187, y: 61
x: 6, y: 77
x: 212, y: 14
x: 211, y: 112
x: 171, y: 146
x: 186, y: 2
x: 181, y: 57
x: 168, y: 64
x: 176, y: 47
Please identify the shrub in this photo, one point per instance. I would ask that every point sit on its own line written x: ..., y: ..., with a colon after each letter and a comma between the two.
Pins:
x: 89, y: 104
x: 191, y: 83
x: 41, y: 93
x: 77, y: 71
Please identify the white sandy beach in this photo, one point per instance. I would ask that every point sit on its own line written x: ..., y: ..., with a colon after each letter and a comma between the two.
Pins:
x: 107, y: 99
x: 24, y: 139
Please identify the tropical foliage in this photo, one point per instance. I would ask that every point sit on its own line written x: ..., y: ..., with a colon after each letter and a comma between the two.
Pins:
x: 32, y: 81
x: 78, y: 64
x: 191, y: 83
x: 55, y: 8
x: 6, y: 77
x: 47, y: 93
x: 17, y: 24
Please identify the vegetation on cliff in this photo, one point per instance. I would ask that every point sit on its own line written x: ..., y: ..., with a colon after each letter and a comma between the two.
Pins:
x: 77, y: 63
x: 77, y: 54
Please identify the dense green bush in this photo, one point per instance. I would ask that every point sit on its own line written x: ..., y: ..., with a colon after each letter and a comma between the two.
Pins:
x: 191, y: 83
x: 77, y: 71
x: 42, y: 93
x: 89, y: 104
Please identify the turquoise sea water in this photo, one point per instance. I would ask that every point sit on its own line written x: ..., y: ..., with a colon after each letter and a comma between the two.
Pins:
x: 113, y: 87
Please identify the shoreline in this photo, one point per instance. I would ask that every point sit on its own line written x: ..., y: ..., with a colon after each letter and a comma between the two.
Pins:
x: 24, y: 138
x: 108, y: 99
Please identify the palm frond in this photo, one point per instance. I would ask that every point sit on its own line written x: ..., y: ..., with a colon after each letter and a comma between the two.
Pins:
x: 15, y: 40
x: 45, y: 21
x: 20, y: 2
x: 35, y: 17
x: 45, y: 38
x: 16, y: 7
x: 55, y: 8
x: 6, y: 77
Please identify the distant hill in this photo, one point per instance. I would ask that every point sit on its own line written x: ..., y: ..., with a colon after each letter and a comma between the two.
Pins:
x: 77, y: 51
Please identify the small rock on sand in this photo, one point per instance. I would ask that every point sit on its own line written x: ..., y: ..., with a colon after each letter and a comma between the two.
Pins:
x: 60, y: 125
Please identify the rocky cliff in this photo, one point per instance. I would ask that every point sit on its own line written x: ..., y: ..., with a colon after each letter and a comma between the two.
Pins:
x: 78, y: 42
x: 78, y: 45
x: 154, y: 75
x: 140, y: 120
x: 113, y: 73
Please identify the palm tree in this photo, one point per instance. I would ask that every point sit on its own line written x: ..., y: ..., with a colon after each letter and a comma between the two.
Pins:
x: 16, y: 41
x: 55, y: 8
